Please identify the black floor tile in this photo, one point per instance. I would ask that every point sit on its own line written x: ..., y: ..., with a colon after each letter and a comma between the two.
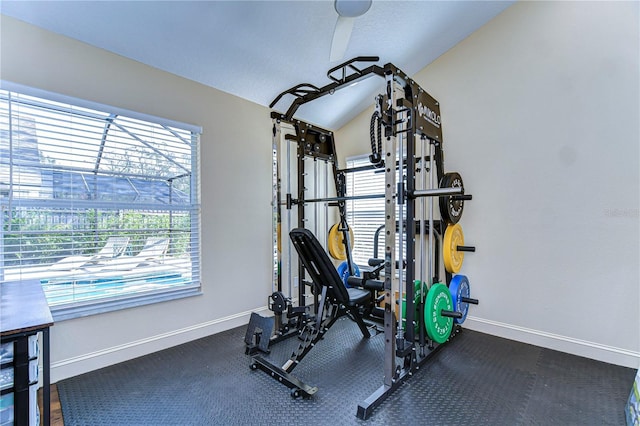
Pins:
x: 476, y: 379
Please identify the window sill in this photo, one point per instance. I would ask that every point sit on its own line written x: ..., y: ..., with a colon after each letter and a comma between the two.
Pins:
x: 62, y: 313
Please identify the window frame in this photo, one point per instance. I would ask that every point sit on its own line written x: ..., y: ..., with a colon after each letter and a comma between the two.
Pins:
x: 107, y: 304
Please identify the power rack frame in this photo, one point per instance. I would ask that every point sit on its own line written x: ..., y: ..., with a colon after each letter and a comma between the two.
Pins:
x: 409, y: 116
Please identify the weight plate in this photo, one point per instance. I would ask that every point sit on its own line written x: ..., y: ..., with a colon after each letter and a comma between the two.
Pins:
x: 438, y: 326
x: 459, y: 288
x: 343, y: 271
x: 453, y: 237
x: 450, y: 208
x: 335, y: 242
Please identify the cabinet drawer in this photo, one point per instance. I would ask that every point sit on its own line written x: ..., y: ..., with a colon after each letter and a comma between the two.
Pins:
x: 6, y: 352
x: 6, y: 378
x: 7, y: 374
x: 6, y: 409
x: 6, y: 349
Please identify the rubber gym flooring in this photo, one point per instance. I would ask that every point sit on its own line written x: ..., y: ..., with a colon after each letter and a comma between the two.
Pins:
x: 476, y: 379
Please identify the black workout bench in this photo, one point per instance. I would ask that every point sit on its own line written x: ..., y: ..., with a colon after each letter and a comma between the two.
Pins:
x: 336, y: 300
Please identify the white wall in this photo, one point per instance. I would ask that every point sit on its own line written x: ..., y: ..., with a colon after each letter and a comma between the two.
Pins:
x: 236, y: 194
x: 540, y: 110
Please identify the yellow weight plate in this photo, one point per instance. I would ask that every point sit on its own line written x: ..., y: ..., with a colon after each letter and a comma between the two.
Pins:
x: 335, y: 242
x: 453, y: 237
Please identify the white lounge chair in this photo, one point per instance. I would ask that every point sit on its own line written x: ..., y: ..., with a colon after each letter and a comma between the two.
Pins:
x: 113, y: 248
x: 154, y: 251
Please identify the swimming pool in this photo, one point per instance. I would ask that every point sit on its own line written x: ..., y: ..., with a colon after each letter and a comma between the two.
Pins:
x: 68, y: 290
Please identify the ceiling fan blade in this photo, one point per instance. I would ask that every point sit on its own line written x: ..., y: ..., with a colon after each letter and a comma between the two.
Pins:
x: 341, y: 36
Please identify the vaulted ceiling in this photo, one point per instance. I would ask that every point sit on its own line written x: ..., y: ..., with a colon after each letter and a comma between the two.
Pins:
x: 257, y: 49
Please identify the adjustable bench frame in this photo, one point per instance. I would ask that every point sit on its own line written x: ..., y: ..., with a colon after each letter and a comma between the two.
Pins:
x: 335, y: 302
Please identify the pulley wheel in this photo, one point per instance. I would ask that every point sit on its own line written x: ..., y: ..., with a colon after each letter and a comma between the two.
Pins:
x: 451, y: 208
x: 438, y: 326
x: 278, y: 302
x: 453, y: 237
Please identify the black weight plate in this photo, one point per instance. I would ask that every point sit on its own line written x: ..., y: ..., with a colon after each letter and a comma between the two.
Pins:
x: 450, y: 208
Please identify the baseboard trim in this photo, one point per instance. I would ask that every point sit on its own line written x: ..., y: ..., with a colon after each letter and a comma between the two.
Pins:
x: 584, y: 348
x: 84, y: 363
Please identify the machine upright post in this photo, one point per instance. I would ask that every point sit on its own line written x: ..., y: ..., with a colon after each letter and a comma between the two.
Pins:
x: 430, y: 264
x: 410, y: 231
x: 389, y: 252
x: 423, y: 218
x: 275, y: 205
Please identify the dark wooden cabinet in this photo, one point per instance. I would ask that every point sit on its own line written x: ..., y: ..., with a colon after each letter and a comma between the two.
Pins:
x: 24, y: 313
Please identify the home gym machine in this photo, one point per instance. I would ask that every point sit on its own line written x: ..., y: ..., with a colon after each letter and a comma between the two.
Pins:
x: 303, y: 164
x: 421, y: 312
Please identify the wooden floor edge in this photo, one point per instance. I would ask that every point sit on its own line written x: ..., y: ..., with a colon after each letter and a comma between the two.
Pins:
x: 56, y: 408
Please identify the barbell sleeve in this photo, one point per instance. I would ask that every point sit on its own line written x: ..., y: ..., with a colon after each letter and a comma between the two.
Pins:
x: 452, y: 314
x: 464, y: 197
x: 466, y: 248
x: 469, y: 300
x: 437, y: 192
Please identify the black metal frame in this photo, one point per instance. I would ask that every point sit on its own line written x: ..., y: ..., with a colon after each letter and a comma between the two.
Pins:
x: 409, y: 114
x: 335, y: 302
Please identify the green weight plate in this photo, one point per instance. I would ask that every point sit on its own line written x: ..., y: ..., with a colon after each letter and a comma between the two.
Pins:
x: 438, y: 326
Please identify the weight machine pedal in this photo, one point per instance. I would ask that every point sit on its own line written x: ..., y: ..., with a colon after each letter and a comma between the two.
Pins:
x: 258, y: 334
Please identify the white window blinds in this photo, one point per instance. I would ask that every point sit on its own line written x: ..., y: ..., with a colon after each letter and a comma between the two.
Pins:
x: 96, y: 204
x: 365, y: 216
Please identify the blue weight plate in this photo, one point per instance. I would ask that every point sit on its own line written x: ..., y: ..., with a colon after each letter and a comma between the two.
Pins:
x: 343, y: 271
x: 459, y: 288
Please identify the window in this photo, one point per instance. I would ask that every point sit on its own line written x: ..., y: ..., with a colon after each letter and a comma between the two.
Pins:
x: 101, y: 205
x: 365, y: 216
